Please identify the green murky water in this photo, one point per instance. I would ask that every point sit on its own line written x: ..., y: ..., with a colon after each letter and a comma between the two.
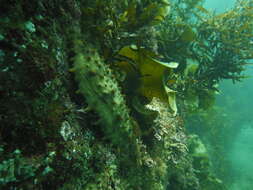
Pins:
x: 231, y: 144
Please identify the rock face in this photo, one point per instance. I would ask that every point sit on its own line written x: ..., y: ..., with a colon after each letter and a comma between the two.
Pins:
x: 67, y: 119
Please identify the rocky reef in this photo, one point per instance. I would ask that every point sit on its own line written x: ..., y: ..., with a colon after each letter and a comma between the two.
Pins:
x: 93, y: 94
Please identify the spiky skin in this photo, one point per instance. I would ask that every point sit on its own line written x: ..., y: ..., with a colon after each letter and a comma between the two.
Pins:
x: 102, y: 93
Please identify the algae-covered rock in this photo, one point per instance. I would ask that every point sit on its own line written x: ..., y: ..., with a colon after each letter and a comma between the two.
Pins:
x: 202, y: 165
x: 70, y: 109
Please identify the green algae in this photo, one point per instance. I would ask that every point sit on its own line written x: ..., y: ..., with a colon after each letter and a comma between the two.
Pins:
x: 61, y: 87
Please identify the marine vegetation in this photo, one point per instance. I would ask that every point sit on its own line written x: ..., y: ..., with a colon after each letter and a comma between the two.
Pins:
x: 93, y: 94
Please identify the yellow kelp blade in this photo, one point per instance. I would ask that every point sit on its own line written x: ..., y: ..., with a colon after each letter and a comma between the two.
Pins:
x: 126, y: 67
x: 153, y: 85
x: 129, y: 52
x: 151, y: 81
x: 127, y: 60
x: 150, y: 89
x: 172, y: 99
x: 152, y: 72
x: 171, y: 65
